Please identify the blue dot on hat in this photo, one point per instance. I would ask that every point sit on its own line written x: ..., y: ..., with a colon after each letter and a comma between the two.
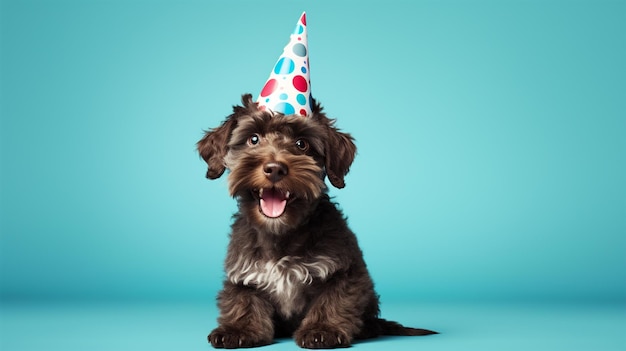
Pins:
x: 299, y: 49
x: 285, y: 108
x: 301, y: 99
x: 303, y: 69
x: 283, y: 96
x: 284, y: 66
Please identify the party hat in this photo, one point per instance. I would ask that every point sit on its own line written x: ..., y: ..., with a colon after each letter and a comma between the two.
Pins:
x: 288, y: 89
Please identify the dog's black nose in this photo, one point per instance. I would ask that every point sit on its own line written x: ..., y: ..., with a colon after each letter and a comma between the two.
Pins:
x: 275, y: 171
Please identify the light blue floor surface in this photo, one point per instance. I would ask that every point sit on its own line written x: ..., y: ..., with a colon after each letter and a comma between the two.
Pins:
x: 184, y: 326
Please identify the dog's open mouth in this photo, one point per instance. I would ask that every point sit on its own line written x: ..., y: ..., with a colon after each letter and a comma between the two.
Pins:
x: 273, y: 201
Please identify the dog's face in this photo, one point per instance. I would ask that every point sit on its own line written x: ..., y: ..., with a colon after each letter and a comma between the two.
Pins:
x: 277, y: 163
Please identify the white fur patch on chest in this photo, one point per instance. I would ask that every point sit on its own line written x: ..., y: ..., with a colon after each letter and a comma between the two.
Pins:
x: 283, y: 279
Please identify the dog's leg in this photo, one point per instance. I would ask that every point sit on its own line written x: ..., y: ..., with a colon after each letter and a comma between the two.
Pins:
x: 245, y: 319
x: 335, y: 316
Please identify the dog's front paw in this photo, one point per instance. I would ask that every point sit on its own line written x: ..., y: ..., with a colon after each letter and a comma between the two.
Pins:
x: 321, y: 338
x: 231, y: 339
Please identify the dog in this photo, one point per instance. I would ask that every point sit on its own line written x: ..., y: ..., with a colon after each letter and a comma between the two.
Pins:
x: 293, y: 267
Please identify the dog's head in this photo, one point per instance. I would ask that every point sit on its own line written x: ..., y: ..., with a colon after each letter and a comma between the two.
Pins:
x: 277, y: 163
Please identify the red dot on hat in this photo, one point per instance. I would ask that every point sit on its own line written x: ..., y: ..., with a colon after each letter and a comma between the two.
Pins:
x: 269, y: 87
x: 299, y: 82
x: 303, y: 112
x: 303, y: 19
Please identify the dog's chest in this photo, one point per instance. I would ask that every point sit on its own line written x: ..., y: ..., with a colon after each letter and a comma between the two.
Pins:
x: 283, y: 279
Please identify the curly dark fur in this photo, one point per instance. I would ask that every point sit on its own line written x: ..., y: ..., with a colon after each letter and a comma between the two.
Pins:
x: 300, y: 273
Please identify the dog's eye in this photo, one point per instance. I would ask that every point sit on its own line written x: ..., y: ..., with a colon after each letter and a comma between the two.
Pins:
x: 254, y: 139
x: 302, y: 144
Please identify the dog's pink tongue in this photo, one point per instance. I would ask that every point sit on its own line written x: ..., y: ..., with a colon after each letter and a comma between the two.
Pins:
x: 273, y: 203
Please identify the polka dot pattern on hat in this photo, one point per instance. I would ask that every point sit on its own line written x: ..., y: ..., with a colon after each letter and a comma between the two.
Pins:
x: 288, y: 89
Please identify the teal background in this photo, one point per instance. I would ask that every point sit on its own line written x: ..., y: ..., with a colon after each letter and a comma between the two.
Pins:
x: 491, y: 165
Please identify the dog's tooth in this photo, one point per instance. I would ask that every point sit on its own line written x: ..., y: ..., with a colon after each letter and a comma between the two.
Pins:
x: 287, y: 195
x: 261, y: 192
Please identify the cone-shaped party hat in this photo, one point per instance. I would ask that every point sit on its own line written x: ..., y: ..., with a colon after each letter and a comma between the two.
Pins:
x: 288, y: 89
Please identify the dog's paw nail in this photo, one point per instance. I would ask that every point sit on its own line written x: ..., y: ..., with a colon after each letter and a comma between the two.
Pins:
x: 322, y: 339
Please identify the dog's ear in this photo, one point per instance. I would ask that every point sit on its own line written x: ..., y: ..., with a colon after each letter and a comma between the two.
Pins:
x: 339, y: 148
x: 214, y: 145
x: 340, y: 152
